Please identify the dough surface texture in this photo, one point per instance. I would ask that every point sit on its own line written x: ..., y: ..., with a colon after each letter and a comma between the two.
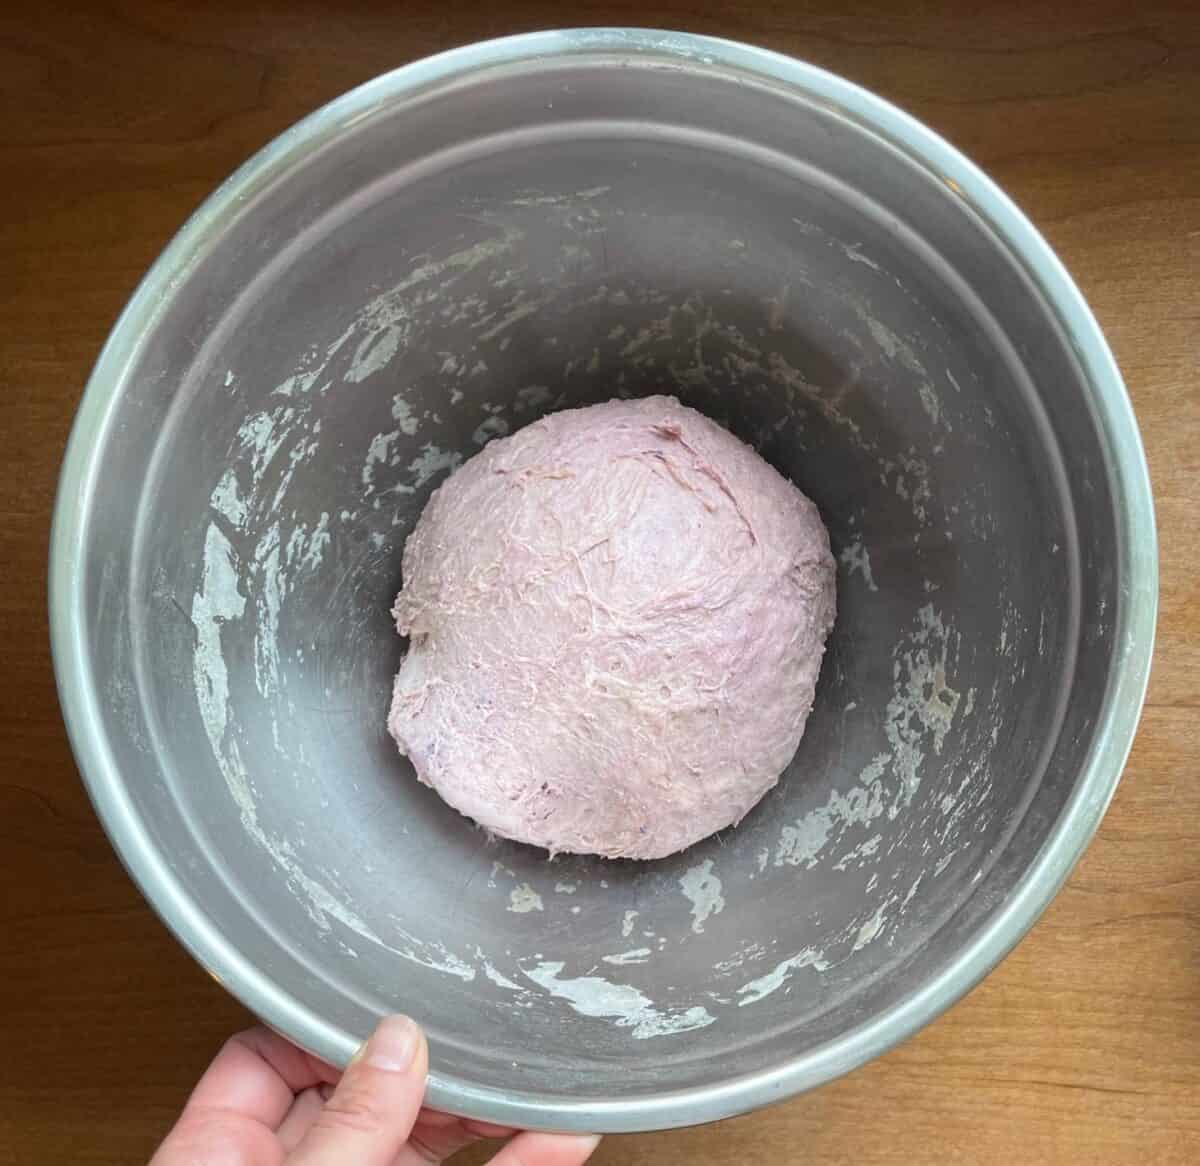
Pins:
x: 616, y: 621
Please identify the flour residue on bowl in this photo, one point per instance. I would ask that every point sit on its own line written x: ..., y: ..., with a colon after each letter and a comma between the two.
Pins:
x: 871, y: 929
x: 637, y: 955
x: 758, y: 989
x: 256, y: 552
x: 217, y: 601
x: 703, y: 889
x: 630, y: 1008
x: 921, y: 710
x: 801, y: 842
x: 918, y: 716
x: 427, y: 953
x: 855, y: 558
x: 220, y: 602
x: 523, y: 899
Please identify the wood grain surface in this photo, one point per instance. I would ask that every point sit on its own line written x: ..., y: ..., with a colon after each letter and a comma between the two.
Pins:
x: 117, y: 118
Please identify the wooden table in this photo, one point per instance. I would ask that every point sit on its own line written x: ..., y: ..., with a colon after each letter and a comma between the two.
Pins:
x: 1084, y: 1047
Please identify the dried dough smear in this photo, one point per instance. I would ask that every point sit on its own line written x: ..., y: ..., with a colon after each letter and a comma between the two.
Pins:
x: 616, y: 621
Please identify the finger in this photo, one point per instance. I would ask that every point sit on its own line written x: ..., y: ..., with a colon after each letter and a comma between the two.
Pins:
x: 438, y: 1136
x: 257, y: 1074
x: 435, y: 1119
x: 302, y: 1114
x: 241, y: 1099
x: 219, y: 1139
x: 547, y: 1150
x: 487, y: 1129
x: 368, y: 1119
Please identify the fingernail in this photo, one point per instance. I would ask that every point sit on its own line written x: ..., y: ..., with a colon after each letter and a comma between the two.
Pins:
x: 393, y: 1045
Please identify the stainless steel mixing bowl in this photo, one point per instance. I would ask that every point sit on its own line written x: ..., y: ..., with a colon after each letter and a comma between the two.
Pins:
x: 441, y: 256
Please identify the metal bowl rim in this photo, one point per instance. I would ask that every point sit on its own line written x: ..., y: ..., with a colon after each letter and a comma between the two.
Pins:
x: 1116, y: 725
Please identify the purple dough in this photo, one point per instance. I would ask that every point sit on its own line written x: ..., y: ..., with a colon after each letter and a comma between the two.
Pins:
x: 616, y: 621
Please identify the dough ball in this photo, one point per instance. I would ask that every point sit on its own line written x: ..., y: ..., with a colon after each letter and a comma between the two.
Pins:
x: 616, y: 620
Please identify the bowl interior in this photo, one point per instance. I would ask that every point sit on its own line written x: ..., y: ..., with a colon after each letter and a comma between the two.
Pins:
x: 530, y: 237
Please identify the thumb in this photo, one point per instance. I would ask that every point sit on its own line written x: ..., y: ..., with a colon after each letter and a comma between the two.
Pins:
x: 373, y: 1109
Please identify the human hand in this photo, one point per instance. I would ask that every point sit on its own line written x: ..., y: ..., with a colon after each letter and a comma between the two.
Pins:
x: 264, y: 1102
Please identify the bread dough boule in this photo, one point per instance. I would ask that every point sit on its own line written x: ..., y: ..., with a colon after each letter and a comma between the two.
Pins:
x: 616, y: 620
